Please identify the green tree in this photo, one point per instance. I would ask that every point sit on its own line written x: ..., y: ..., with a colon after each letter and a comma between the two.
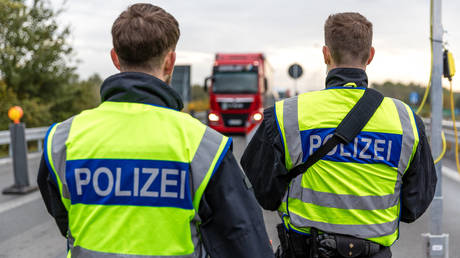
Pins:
x: 80, y: 95
x: 198, y: 93
x: 35, y: 62
x: 199, y: 99
x: 34, y: 52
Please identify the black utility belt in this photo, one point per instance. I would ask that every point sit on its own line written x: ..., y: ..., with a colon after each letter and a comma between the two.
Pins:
x: 346, y: 246
x: 336, y: 245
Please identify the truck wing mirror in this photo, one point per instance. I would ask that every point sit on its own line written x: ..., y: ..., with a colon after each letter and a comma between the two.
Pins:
x: 265, y: 84
x: 206, y: 81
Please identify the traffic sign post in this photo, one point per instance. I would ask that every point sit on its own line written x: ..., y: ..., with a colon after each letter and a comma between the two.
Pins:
x: 295, y: 71
x: 437, y: 242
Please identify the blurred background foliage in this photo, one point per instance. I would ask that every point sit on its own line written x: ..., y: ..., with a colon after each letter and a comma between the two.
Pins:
x: 199, y: 99
x: 402, y: 92
x: 38, y: 69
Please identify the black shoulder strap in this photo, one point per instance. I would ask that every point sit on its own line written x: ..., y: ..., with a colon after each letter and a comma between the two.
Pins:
x: 347, y: 130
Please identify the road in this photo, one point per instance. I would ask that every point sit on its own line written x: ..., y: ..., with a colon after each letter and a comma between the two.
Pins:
x: 411, y: 243
x: 26, y: 230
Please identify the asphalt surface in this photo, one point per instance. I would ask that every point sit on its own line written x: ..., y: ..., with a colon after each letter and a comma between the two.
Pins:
x: 26, y: 230
x: 411, y: 243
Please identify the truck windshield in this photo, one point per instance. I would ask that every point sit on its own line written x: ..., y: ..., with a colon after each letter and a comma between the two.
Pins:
x: 235, y: 82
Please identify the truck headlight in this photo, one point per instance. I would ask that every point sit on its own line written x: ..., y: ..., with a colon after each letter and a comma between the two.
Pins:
x: 257, y: 116
x: 213, y: 117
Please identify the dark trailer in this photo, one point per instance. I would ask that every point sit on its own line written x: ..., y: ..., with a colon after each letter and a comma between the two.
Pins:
x: 181, y: 82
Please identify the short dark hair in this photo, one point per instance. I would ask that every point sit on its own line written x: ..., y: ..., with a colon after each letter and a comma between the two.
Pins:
x: 349, y: 37
x: 143, y: 34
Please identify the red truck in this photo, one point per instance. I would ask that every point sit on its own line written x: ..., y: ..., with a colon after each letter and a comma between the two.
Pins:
x: 239, y: 89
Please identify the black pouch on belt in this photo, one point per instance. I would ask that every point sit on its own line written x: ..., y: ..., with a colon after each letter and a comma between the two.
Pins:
x: 355, y: 247
x: 285, y: 251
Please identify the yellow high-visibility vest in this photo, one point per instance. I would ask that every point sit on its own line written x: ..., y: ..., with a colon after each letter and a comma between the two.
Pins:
x: 131, y: 177
x: 355, y: 188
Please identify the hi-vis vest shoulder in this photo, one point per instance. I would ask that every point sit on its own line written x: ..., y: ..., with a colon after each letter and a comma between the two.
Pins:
x: 355, y: 188
x: 131, y: 177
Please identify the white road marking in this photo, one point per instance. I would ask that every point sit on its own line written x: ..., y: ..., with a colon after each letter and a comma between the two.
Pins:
x: 19, y: 202
x: 451, y: 174
x: 4, y: 161
x: 448, y: 172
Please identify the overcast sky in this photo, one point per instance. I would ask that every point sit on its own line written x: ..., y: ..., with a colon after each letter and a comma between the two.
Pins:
x: 286, y: 31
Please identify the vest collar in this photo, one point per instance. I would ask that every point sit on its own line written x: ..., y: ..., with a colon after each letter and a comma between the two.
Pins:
x: 342, y: 76
x: 140, y: 88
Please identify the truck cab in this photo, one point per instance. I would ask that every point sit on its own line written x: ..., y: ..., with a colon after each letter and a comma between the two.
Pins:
x: 239, y: 89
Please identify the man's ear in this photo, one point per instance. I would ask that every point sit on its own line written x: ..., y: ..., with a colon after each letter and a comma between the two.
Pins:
x: 371, y: 56
x: 170, y: 60
x: 327, y: 55
x: 115, y: 60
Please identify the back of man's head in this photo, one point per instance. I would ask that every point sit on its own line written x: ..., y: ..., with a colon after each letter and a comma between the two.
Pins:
x: 349, y: 38
x: 142, y: 36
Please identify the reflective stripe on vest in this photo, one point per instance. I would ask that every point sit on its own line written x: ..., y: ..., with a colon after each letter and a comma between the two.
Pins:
x: 320, y: 197
x: 80, y: 252
x: 110, y: 185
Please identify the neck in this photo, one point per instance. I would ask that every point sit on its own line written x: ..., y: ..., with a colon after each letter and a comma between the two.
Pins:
x: 357, y: 66
x: 154, y: 73
x: 339, y: 77
x: 140, y: 87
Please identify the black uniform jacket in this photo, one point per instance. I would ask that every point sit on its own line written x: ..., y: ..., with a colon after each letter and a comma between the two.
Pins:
x: 263, y: 160
x: 232, y: 222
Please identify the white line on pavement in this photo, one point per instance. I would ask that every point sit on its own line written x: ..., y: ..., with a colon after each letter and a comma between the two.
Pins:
x: 18, y: 202
x: 8, y: 160
x: 4, y: 161
x: 448, y: 172
x: 451, y: 174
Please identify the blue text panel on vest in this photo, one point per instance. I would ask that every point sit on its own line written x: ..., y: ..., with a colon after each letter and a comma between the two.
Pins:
x: 366, y: 148
x: 129, y: 182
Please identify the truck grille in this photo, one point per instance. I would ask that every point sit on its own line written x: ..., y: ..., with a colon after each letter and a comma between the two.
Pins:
x: 234, y: 105
x: 235, y: 120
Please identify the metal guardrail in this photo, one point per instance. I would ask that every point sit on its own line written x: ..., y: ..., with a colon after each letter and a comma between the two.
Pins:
x: 38, y: 133
x: 447, y: 127
x: 32, y: 134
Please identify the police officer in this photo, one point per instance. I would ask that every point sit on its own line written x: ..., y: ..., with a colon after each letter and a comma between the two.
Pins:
x: 135, y: 177
x: 350, y: 202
